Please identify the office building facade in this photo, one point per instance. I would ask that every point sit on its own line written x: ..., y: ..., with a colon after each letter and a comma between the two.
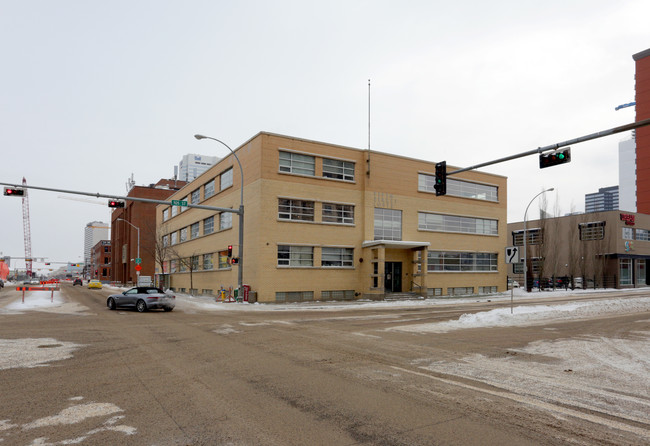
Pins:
x: 94, y: 232
x: 192, y: 165
x: 325, y: 222
x: 606, y: 199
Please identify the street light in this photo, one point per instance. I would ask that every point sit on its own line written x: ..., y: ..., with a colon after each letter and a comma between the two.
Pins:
x: 526, y: 238
x: 241, y: 214
x: 137, y: 273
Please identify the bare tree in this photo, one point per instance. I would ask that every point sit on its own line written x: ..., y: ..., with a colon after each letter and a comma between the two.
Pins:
x: 157, y: 246
x: 573, y: 257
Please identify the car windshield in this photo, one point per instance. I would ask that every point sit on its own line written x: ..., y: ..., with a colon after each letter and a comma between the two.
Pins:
x: 153, y: 291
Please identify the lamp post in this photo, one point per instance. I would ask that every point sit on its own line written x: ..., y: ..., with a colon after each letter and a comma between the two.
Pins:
x: 137, y: 273
x: 240, y: 274
x: 526, y: 238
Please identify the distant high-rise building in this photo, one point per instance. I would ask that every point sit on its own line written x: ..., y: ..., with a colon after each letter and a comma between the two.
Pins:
x: 94, y: 232
x: 627, y: 175
x: 193, y: 165
x: 606, y: 199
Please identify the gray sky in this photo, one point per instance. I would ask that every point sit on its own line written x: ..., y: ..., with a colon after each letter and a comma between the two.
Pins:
x: 95, y: 91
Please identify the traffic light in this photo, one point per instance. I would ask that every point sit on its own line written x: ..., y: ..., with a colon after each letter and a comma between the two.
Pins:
x: 115, y: 204
x: 554, y: 158
x: 229, y: 250
x: 234, y: 261
x: 14, y: 191
x: 441, y: 178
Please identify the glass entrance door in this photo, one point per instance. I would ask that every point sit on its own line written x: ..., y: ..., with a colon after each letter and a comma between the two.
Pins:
x: 393, y: 277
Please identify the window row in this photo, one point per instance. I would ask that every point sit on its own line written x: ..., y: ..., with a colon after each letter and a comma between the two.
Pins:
x: 305, y: 210
x: 460, y: 188
x: 204, y: 262
x: 301, y: 164
x: 462, y: 261
x: 453, y: 223
x: 223, y: 180
x: 303, y: 256
x: 223, y: 220
x: 636, y: 234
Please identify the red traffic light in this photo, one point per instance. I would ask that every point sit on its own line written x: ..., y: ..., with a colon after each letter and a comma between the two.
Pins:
x: 229, y: 250
x: 14, y: 191
x: 115, y: 204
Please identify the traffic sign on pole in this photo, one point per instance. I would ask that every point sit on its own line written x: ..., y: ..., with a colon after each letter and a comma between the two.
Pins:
x: 138, y: 261
x: 138, y: 267
x: 512, y: 254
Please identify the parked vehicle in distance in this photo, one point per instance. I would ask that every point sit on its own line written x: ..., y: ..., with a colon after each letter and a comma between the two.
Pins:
x: 78, y: 281
x: 2, y: 284
x: 95, y: 284
x: 142, y: 299
x: 513, y: 284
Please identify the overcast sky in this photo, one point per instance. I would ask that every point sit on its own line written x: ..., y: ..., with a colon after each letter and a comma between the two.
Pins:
x: 93, y: 92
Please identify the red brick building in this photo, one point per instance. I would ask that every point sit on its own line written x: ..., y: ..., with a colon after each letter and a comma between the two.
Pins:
x: 124, y: 236
x: 100, y: 261
x: 642, y: 61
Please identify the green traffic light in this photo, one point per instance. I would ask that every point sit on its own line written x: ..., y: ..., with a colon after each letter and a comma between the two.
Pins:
x: 561, y: 156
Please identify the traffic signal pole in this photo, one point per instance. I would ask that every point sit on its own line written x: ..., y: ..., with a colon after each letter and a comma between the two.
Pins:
x: 541, y: 150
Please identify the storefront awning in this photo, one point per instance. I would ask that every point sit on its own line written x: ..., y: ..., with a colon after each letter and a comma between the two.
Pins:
x: 395, y: 244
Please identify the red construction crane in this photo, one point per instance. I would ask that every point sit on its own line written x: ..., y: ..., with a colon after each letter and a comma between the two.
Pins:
x: 28, y: 232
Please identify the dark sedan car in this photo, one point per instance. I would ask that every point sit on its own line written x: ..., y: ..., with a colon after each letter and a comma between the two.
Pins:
x: 142, y: 299
x: 78, y: 282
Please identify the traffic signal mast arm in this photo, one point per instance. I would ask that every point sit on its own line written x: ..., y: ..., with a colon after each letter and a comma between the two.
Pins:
x: 541, y: 150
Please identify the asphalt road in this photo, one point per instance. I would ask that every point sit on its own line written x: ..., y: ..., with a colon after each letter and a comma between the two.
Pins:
x: 195, y: 377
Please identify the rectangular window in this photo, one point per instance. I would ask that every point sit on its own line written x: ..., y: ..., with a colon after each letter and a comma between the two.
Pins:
x: 337, y: 257
x: 165, y: 240
x: 628, y: 234
x: 299, y: 210
x: 194, y: 230
x: 297, y: 163
x: 208, y: 225
x: 174, y: 211
x: 173, y: 266
x: 625, y: 268
x: 295, y: 255
x: 294, y: 296
x: 470, y: 262
x: 341, y: 170
x: 223, y: 260
x: 337, y: 295
x: 592, y: 231
x: 460, y: 291
x: 184, y: 208
x: 487, y: 289
x: 182, y: 265
x: 535, y: 266
x: 183, y: 235
x: 460, y: 188
x: 535, y: 237
x: 195, y: 197
x: 194, y: 261
x: 208, y: 189
x: 453, y: 223
x: 640, y: 272
x: 225, y: 220
x: 226, y: 179
x: 642, y: 234
x: 338, y: 213
x: 174, y: 238
x: 388, y: 224
x: 207, y: 261
x: 165, y: 214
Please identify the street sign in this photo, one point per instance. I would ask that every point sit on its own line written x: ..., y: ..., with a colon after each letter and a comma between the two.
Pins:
x: 179, y: 202
x: 138, y: 267
x: 138, y: 261
x: 512, y: 254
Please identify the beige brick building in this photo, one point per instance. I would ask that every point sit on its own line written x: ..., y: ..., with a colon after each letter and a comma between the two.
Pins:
x: 325, y: 222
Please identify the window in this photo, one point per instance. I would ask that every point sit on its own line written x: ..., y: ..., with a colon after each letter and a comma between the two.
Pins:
x: 194, y: 262
x: 337, y: 257
x: 223, y: 260
x: 388, y: 224
x: 195, y: 197
x: 173, y: 265
x: 294, y: 296
x: 592, y: 231
x: 182, y: 265
x: 207, y: 261
x: 183, y: 235
x: 462, y: 261
x: 535, y: 237
x: 453, y: 223
x: 174, y: 211
x: 487, y: 289
x: 338, y: 213
x: 208, y: 225
x: 226, y: 179
x: 460, y: 188
x: 625, y: 268
x: 165, y: 240
x: 184, y: 208
x: 628, y: 234
x: 208, y: 189
x: 174, y: 238
x: 337, y: 295
x: 165, y: 214
x: 299, y: 210
x: 341, y: 170
x: 535, y: 266
x: 295, y: 255
x: 460, y: 290
x: 225, y: 220
x: 642, y: 234
x: 194, y: 230
x: 297, y: 163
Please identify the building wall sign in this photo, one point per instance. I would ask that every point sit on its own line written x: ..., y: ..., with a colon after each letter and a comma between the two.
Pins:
x: 628, y: 219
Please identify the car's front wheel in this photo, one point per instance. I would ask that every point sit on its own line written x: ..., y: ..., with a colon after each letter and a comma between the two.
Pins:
x: 111, y: 304
x: 141, y: 306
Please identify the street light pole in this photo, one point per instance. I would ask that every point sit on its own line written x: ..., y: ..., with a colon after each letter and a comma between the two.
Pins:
x: 240, y: 274
x: 526, y: 239
x: 137, y: 273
